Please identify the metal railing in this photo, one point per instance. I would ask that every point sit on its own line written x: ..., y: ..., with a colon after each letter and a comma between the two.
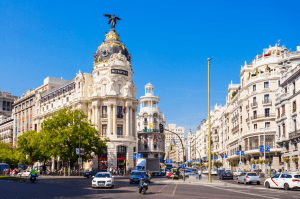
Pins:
x: 247, y: 119
x: 253, y: 104
x: 120, y: 136
x: 267, y: 101
x: 294, y: 134
x: 263, y: 116
x: 120, y: 116
x: 247, y: 107
x: 235, y: 128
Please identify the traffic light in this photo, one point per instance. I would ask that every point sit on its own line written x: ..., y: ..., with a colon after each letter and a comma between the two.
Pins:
x: 240, y: 147
x: 184, y: 159
x: 161, y: 128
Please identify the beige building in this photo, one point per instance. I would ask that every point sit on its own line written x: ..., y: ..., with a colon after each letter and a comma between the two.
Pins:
x: 174, y: 139
x: 6, y: 129
x: 287, y: 117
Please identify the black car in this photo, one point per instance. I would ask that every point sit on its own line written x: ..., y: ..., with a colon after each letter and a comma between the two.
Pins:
x: 226, y: 175
x: 93, y: 173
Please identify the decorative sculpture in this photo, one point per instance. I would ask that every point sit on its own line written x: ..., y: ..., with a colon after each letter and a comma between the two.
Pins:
x: 112, y: 20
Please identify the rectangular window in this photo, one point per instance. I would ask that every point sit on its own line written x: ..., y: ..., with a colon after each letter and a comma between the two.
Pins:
x: 255, y: 126
x: 119, y: 112
x: 285, y: 90
x: 283, y: 110
x: 267, y: 124
x: 254, y: 87
x: 266, y: 84
x: 120, y: 129
x: 278, y: 83
x: 104, y: 111
x: 104, y: 129
x: 283, y: 129
x: 266, y: 99
x: 267, y: 112
x: 278, y: 112
x: 254, y: 100
x: 254, y: 115
x: 294, y: 106
x: 279, y: 131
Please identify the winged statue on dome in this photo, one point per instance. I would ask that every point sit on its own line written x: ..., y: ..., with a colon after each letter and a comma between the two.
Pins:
x: 112, y: 20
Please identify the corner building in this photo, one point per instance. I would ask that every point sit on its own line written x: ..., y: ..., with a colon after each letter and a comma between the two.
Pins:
x: 107, y: 96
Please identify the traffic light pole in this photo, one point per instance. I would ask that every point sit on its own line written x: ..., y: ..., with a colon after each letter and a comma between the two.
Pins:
x: 182, y: 151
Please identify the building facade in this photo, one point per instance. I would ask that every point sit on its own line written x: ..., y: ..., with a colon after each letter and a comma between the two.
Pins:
x: 287, y: 114
x: 6, y: 103
x: 107, y: 96
x: 6, y: 129
x: 172, y: 139
x: 151, y: 143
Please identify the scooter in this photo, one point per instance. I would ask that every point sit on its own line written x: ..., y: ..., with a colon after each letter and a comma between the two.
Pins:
x: 33, y: 178
x: 143, y: 188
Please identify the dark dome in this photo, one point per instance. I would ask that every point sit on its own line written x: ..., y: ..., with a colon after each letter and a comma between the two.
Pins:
x: 110, y: 46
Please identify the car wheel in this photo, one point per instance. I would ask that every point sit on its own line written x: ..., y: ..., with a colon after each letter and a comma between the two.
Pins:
x: 258, y: 183
x: 112, y: 187
x: 286, y: 186
x: 130, y: 182
x: 267, y: 185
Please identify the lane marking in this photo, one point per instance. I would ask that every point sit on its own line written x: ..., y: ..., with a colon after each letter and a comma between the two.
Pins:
x: 163, y: 187
x: 174, y: 190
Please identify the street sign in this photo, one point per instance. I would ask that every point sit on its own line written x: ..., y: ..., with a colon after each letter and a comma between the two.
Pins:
x: 167, y: 161
x: 222, y: 156
x: 160, y: 159
x: 261, y: 146
x: 139, y: 155
x: 81, y: 151
x: 170, y: 160
x: 80, y: 161
x: 268, y: 148
x: 134, y: 156
x: 237, y: 152
x: 215, y: 157
x: 21, y: 166
x: 226, y: 156
x: 254, y: 166
x: 261, y: 149
x: 241, y: 163
x: 184, y: 166
x: 243, y: 153
x: 205, y: 159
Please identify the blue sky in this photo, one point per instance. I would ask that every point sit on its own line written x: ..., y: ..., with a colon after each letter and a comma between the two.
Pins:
x: 169, y: 42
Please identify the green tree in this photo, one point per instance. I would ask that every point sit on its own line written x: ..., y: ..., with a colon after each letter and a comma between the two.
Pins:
x: 218, y: 164
x: 9, y: 154
x: 61, y: 131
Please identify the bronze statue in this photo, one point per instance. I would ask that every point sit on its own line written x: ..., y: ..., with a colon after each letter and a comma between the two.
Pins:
x: 112, y: 20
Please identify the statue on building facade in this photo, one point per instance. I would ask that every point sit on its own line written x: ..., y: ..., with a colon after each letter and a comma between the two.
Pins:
x: 112, y: 20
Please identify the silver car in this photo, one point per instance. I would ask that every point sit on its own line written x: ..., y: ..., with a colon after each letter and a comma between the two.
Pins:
x: 248, y: 178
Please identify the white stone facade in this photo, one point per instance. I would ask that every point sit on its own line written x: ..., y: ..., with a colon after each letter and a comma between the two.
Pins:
x: 6, y: 129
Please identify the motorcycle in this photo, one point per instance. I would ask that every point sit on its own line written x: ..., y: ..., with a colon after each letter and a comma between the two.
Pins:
x: 33, y: 178
x: 143, y: 187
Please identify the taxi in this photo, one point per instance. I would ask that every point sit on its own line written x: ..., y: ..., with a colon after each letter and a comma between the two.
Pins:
x: 286, y: 181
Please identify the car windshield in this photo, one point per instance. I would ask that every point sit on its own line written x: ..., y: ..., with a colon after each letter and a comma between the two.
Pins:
x: 103, y: 175
x: 139, y: 167
x: 225, y: 172
x: 251, y: 174
x: 139, y: 173
x: 296, y: 176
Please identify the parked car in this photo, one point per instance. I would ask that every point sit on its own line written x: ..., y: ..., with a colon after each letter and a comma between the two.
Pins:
x: 214, y: 172
x: 103, y: 179
x: 248, y: 178
x: 226, y: 175
x: 286, y: 181
x: 237, y: 173
x: 26, y: 173
x: 205, y: 171
x: 93, y: 173
x: 136, y: 177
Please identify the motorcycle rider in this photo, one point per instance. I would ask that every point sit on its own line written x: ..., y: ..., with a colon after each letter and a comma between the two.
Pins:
x: 144, y: 179
x: 33, y: 173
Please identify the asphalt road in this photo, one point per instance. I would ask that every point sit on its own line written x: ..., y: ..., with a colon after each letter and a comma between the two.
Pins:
x: 79, y: 187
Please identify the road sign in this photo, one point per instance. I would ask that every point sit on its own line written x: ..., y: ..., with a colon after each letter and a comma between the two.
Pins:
x: 222, y: 156
x: 134, y: 156
x: 268, y: 148
x: 226, y: 156
x: 205, y: 159
x: 243, y: 152
x: 241, y: 163
x: 261, y: 146
x: 167, y: 161
x: 80, y: 161
x: 21, y: 166
x: 183, y: 165
x: 81, y: 151
x: 139, y: 155
x: 215, y: 157
x: 237, y: 152
x: 254, y: 166
x: 170, y: 160
x: 261, y: 149
x: 160, y: 159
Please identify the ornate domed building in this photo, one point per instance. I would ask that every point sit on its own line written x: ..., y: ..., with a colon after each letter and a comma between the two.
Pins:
x: 108, y: 96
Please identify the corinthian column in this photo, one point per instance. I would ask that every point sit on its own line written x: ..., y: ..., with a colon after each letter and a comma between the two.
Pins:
x: 127, y: 121
x: 130, y: 121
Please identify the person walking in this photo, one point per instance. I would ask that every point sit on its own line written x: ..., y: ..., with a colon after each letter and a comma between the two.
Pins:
x: 199, y: 172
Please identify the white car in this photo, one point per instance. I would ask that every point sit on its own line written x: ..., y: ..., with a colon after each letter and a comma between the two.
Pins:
x: 26, y: 173
x: 248, y: 178
x: 237, y: 173
x: 205, y: 172
x: 214, y: 172
x: 103, y: 179
x: 286, y: 181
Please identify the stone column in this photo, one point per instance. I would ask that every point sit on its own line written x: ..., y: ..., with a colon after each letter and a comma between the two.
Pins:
x: 130, y: 122
x: 114, y: 120
x: 108, y: 119
x: 134, y: 123
x: 127, y: 121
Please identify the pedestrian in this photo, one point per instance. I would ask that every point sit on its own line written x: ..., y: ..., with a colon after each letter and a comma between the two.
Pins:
x: 118, y: 171
x: 110, y: 169
x: 199, y: 172
x: 274, y: 172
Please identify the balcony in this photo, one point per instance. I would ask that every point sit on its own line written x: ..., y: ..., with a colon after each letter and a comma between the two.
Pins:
x: 247, y: 107
x: 235, y: 128
x: 294, y: 110
x: 145, y: 123
x: 294, y: 134
x: 247, y: 119
x: 262, y: 116
x: 120, y: 136
x: 104, y: 116
x: 267, y: 102
x: 254, y: 104
x: 120, y: 116
x: 235, y: 117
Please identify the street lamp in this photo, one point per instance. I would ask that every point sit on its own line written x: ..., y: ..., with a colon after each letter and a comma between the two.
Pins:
x: 209, y: 144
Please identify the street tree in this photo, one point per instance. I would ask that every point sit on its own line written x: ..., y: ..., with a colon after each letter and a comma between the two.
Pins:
x: 62, y: 132
x: 9, y: 154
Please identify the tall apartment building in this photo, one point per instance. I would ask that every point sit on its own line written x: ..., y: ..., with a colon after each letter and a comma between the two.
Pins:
x: 6, y: 103
x: 151, y: 143
x: 172, y: 138
x: 287, y: 111
x: 248, y: 117
x: 6, y: 129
